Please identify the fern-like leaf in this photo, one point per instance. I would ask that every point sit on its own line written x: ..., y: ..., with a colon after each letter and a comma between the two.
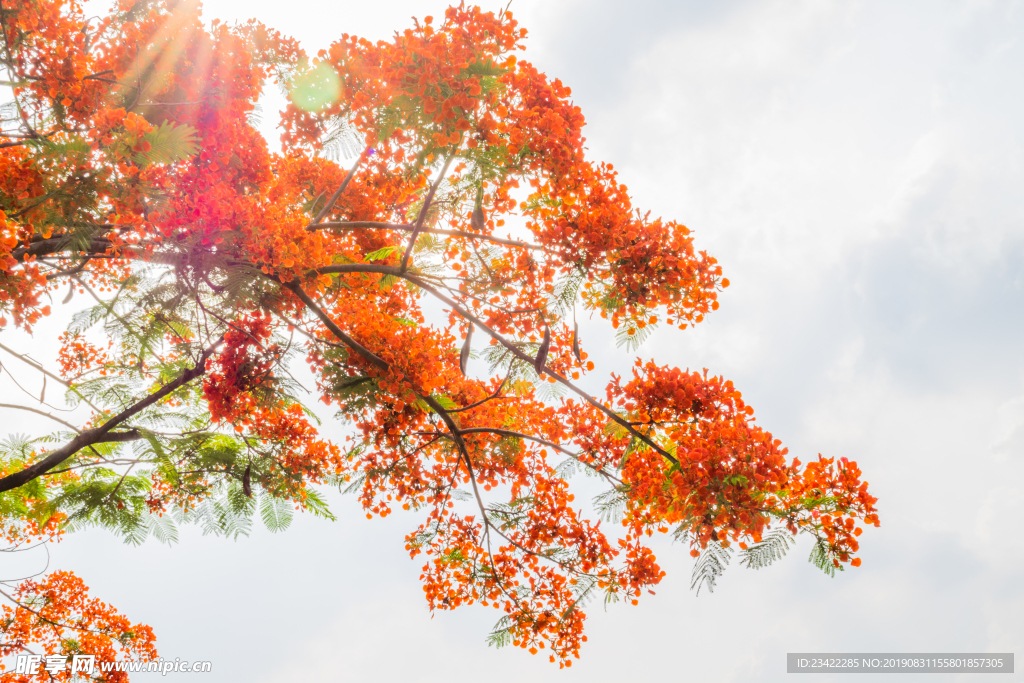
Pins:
x: 169, y: 143
x: 773, y: 546
x: 631, y: 335
x: 610, y: 506
x: 276, y: 513
x: 341, y: 140
x: 710, y: 566
x: 381, y: 254
x: 822, y: 557
x: 501, y: 634
x: 162, y: 529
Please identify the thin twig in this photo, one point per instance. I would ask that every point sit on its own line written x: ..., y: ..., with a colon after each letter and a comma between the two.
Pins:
x: 334, y: 198
x: 424, y: 210
x: 49, y: 374
x: 44, y: 413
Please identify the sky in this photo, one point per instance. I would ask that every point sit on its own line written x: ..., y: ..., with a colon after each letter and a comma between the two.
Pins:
x: 856, y: 167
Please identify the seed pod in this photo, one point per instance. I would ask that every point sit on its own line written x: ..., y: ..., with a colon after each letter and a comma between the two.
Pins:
x: 542, y: 352
x: 247, y: 481
x: 464, y: 354
x: 576, y: 341
x: 477, y: 220
x: 71, y: 293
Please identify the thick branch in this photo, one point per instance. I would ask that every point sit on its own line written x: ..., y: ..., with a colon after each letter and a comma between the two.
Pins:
x: 408, y: 227
x: 101, y: 434
x: 55, y: 245
x: 333, y: 327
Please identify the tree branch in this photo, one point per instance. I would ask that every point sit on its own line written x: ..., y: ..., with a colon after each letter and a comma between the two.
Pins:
x: 333, y: 326
x: 516, y: 351
x: 407, y: 227
x: 49, y: 374
x: 334, y: 198
x: 56, y: 245
x: 42, y: 412
x: 101, y: 434
x: 423, y: 212
x: 482, y: 401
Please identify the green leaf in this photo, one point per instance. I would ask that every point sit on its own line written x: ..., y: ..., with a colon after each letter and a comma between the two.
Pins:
x: 710, y: 566
x: 822, y: 556
x: 501, y: 635
x: 611, y: 505
x: 442, y: 400
x: 488, y: 68
x: 772, y: 547
x: 169, y: 143
x: 381, y: 254
x: 317, y: 505
x: 631, y: 335
x: 276, y: 513
x: 445, y: 401
x: 162, y: 529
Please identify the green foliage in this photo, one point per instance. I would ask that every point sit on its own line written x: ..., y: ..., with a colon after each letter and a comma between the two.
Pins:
x: 381, y: 254
x: 255, y: 117
x: 773, y: 546
x: 546, y: 391
x: 9, y: 112
x: 106, y: 498
x: 511, y: 514
x: 501, y: 634
x: 442, y: 400
x: 517, y: 370
x: 507, y: 450
x: 631, y: 335
x: 275, y: 512
x: 710, y: 566
x: 354, y: 393
x: 341, y: 140
x: 429, y: 243
x: 169, y: 143
x: 566, y: 290
x: 55, y: 151
x: 822, y: 557
x: 487, y: 68
x: 16, y: 448
x: 16, y: 452
x: 390, y: 119
x: 572, y: 466
x: 423, y: 537
x: 611, y: 505
x: 681, y: 534
x: 229, y: 514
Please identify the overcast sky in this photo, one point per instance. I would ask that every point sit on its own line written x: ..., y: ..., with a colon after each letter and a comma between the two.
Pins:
x: 858, y: 170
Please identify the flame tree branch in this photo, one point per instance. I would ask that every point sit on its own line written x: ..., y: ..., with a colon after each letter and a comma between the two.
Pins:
x: 103, y: 433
